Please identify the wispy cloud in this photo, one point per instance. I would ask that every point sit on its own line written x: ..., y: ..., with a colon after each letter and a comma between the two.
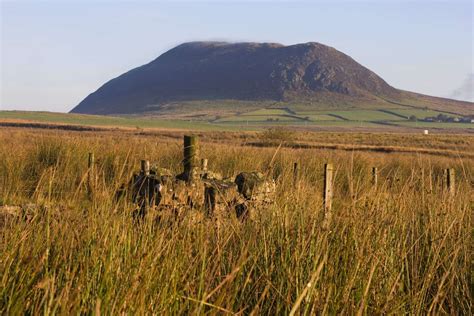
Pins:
x: 466, y: 91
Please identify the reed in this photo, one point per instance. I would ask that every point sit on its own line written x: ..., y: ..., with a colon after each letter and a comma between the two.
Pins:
x: 400, y: 247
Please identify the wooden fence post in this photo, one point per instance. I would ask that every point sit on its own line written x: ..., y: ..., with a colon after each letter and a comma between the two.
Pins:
x: 430, y: 179
x: 90, y: 174
x: 444, y: 180
x: 374, y: 176
x: 191, y: 153
x: 328, y: 191
x: 209, y: 200
x: 144, y: 187
x: 91, y: 160
x: 204, y: 165
x: 450, y: 180
x: 295, y: 173
x: 145, y: 167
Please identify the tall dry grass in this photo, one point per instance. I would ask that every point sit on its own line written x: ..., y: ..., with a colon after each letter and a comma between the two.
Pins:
x: 402, y: 247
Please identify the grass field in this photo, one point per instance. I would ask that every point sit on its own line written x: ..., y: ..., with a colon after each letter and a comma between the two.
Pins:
x: 348, y: 118
x: 266, y: 112
x: 365, y: 115
x: 401, y: 247
x: 282, y: 122
x: 440, y: 125
x: 419, y: 113
x: 253, y: 120
x: 318, y: 117
x: 109, y: 121
x: 259, y: 118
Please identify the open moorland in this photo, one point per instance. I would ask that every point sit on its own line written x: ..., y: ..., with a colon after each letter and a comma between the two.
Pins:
x: 401, y: 245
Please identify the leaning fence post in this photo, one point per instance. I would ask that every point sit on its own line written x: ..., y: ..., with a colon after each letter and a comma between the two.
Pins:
x: 191, y: 153
x: 450, y: 180
x: 295, y: 173
x: 374, y: 176
x: 328, y: 192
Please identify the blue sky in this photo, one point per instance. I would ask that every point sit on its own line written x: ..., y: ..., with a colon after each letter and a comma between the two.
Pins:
x: 54, y: 53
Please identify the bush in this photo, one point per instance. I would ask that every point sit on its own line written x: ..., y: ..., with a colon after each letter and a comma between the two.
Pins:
x: 277, y: 135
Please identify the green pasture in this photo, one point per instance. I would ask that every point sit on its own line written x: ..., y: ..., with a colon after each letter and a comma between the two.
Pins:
x: 249, y: 120
x: 258, y: 118
x: 266, y: 112
x: 419, y: 113
x: 318, y: 117
x: 436, y: 125
x: 365, y: 115
x: 107, y: 121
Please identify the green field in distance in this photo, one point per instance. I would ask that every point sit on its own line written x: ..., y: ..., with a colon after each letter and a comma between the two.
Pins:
x: 253, y: 120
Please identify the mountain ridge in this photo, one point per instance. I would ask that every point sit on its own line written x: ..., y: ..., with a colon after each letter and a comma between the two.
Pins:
x: 258, y: 72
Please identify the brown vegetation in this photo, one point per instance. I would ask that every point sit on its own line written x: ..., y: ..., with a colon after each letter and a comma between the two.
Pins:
x: 401, y: 247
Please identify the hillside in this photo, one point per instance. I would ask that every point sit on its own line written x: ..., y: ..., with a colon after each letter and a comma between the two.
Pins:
x: 212, y: 77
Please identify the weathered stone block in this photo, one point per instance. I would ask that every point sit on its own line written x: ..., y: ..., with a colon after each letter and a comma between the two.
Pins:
x: 253, y: 186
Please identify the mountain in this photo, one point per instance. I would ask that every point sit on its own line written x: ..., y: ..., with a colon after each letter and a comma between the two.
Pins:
x: 248, y: 73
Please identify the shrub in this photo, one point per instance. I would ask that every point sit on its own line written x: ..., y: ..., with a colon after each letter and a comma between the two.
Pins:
x: 277, y: 135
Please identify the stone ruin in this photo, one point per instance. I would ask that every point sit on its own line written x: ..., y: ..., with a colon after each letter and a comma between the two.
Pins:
x: 198, y: 187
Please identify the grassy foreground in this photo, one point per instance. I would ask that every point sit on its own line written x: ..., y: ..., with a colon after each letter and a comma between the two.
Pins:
x: 402, y: 247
